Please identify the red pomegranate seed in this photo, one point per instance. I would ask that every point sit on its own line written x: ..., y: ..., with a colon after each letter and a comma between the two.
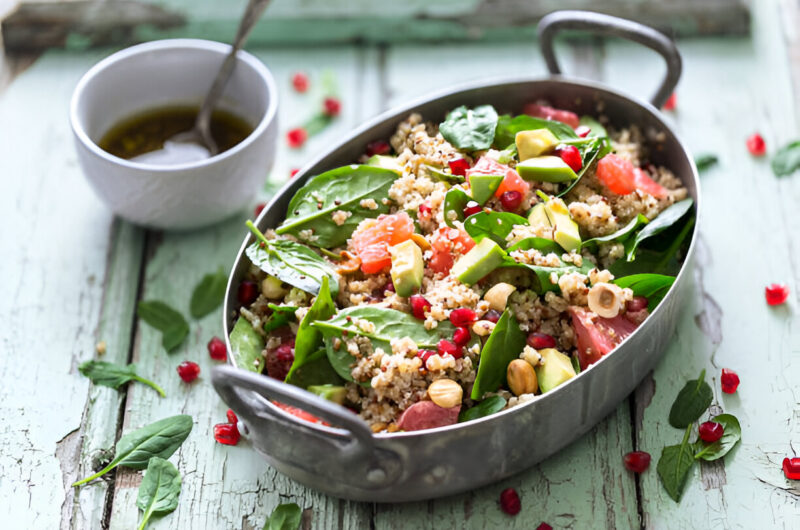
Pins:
x: 447, y: 347
x: 280, y: 360
x: 671, y: 102
x: 296, y: 137
x: 791, y: 468
x: 300, y: 82
x: 636, y: 461
x: 511, y: 200
x: 188, y: 371
x: 583, y: 131
x: 231, y: 415
x: 472, y: 208
x: 461, y: 336
x: 492, y: 315
x: 389, y: 287
x: 247, y: 292
x: 462, y: 316
x: 378, y: 147
x: 217, y: 349
x: 710, y: 431
x: 636, y: 304
x: 425, y: 355
x: 538, y: 341
x: 729, y: 381
x: 331, y: 106
x: 419, y: 305
x: 776, y: 293
x: 293, y: 172
x: 258, y: 209
x: 756, y: 145
x: 571, y: 156
x: 424, y: 209
x: 226, y: 434
x: 544, y: 526
x: 459, y: 166
x: 509, y: 501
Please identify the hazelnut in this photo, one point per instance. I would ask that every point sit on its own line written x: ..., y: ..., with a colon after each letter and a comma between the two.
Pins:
x: 446, y: 393
x: 483, y: 327
x: 498, y: 295
x: 521, y: 378
x: 605, y: 299
x: 349, y: 263
x: 272, y: 288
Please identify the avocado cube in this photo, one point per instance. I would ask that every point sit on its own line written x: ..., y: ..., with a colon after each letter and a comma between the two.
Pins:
x: 534, y: 143
x: 557, y: 369
x: 330, y: 392
x: 538, y: 215
x: 483, y: 186
x: 546, y: 169
x: 484, y: 257
x: 386, y: 162
x: 407, y: 267
x: 565, y: 230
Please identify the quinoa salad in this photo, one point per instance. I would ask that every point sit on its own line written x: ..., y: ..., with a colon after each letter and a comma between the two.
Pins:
x: 464, y: 267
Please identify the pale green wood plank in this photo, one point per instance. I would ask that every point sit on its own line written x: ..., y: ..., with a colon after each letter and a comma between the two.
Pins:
x: 69, y: 280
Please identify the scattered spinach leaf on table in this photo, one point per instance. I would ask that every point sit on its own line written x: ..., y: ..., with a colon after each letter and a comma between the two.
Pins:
x: 487, y: 407
x: 159, y: 490
x: 281, y: 315
x: 654, y: 287
x: 705, y: 161
x: 494, y: 225
x: 787, y: 159
x: 168, y: 321
x: 730, y: 437
x: 674, y: 465
x: 208, y: 294
x: 470, y: 129
x: 693, y: 399
x: 113, y: 375
x: 508, y: 127
x: 284, y: 517
x: 246, y: 346
x: 503, y: 346
x: 664, y: 220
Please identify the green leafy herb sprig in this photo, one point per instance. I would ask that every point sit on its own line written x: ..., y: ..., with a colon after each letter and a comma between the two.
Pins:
x: 114, y: 376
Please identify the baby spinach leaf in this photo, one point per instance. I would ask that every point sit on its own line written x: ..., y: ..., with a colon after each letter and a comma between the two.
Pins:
x: 281, y: 315
x: 494, y: 225
x: 654, y: 287
x: 652, y: 260
x: 592, y: 152
x: 487, y: 407
x: 309, y: 338
x: 438, y: 174
x: 595, y: 129
x: 208, y: 294
x: 576, y: 364
x: 542, y: 244
x: 503, y: 346
x: 541, y: 275
x: 114, y: 376
x: 315, y: 370
x: 787, y: 160
x: 620, y: 235
x: 693, y: 399
x: 339, y: 358
x: 169, y: 322
x: 674, y: 465
x: 246, y: 346
x: 664, y: 220
x: 730, y: 437
x: 284, y: 517
x: 705, y: 161
x: 159, y: 439
x: 343, y: 188
x: 455, y: 200
x: 159, y: 490
x: 508, y: 127
x: 470, y: 129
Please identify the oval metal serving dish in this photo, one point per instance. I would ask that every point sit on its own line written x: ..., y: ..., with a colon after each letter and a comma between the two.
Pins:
x: 348, y: 460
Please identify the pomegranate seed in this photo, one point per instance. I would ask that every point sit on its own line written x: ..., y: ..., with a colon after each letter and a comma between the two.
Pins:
x: 231, y: 415
x: 583, y: 131
x: 729, y: 381
x: 571, y: 156
x: 296, y: 137
x: 509, y: 501
x: 424, y: 209
x: 188, y: 371
x: 492, y: 315
x: 636, y: 461
x: 776, y: 293
x: 280, y: 360
x: 300, y: 82
x: 462, y: 316
x: 791, y: 468
x: 671, y: 102
x: 258, y: 209
x: 710, y: 431
x: 636, y: 304
x: 459, y: 166
x: 511, y: 200
x: 226, y: 434
x: 756, y: 145
x: 217, y: 349
x: 447, y: 347
x: 247, y: 292
x: 389, y: 287
x: 544, y: 526
x: 332, y: 106
x: 425, y: 355
x: 461, y: 336
x: 419, y: 306
x: 472, y: 208
x: 378, y: 147
x: 539, y: 341
x: 293, y: 172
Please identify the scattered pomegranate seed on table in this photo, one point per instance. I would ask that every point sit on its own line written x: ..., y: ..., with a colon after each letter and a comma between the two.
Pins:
x: 258, y: 209
x: 419, y: 305
x: 472, y: 208
x: 544, y: 526
x: 461, y: 336
x: 378, y: 147
x: 231, y: 415
x: 509, y: 501
x: 791, y: 468
x: 571, y: 156
x: 331, y: 106
x: 636, y: 461
x: 300, y: 82
x: 671, y: 103
x: 217, y: 349
x: 296, y: 137
x: 710, y: 431
x: 447, y: 347
x: 188, y: 371
x: 776, y: 293
x: 293, y: 172
x: 756, y: 145
x: 458, y: 166
x: 583, y: 131
x: 226, y: 434
x: 247, y: 292
x: 511, y: 200
x: 462, y: 316
x: 729, y: 381
x: 538, y: 341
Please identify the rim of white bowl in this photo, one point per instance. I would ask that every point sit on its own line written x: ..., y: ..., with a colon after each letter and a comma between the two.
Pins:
x: 195, y: 44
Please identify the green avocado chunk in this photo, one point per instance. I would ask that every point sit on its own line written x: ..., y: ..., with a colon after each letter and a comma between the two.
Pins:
x: 546, y: 169
x: 534, y: 143
x: 557, y: 369
x: 330, y: 392
x: 565, y: 230
x: 484, y: 257
x: 538, y: 216
x: 484, y: 186
x: 407, y: 267
x: 386, y: 162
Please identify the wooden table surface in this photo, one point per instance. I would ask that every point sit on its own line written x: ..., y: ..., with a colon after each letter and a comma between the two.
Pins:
x: 72, y: 274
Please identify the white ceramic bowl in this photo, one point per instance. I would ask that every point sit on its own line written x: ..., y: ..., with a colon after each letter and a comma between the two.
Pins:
x: 169, y: 72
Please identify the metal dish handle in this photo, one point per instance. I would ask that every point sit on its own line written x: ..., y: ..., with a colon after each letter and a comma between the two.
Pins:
x: 557, y: 21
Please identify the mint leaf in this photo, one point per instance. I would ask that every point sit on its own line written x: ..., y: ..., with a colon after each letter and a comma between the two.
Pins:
x: 284, y: 517
x: 674, y: 465
x: 114, y: 376
x: 208, y: 294
x: 693, y: 399
x: 169, y: 322
x: 718, y: 449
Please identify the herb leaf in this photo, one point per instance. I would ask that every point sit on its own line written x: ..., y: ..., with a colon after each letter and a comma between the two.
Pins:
x: 494, y: 225
x: 470, y: 129
x: 486, y: 407
x: 674, y: 465
x: 281, y: 315
x: 508, y: 127
x: 284, y: 517
x: 309, y: 338
x: 664, y: 220
x: 693, y: 399
x: 455, y: 200
x: 730, y: 437
x: 246, y: 346
x: 136, y: 448
x: 654, y: 287
x: 208, y: 294
x: 114, y: 376
x: 343, y: 188
x: 159, y: 490
x: 705, y: 161
x: 503, y: 346
x: 169, y: 322
x: 787, y: 160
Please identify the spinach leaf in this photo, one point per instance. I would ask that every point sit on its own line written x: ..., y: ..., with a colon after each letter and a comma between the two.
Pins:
x: 576, y: 364
x: 705, y: 161
x: 508, y: 127
x: 136, y: 448
x: 787, y: 160
x: 542, y: 244
x: 281, y: 315
x: 594, y: 126
x: 309, y: 339
x: 620, y: 235
x: 470, y: 129
x: 455, y: 200
x: 170, y: 323
x: 693, y: 399
x: 674, y: 465
x: 438, y: 174
x: 654, y: 287
x: 494, y: 225
x: 315, y: 370
x: 664, y: 220
x: 159, y: 490
x: 593, y: 152
x: 487, y: 407
x: 246, y: 346
x: 730, y: 437
x: 339, y: 358
x: 292, y: 262
x: 208, y: 294
x: 503, y: 346
x: 284, y: 517
x: 343, y: 188
x: 541, y: 275
x: 649, y: 260
x: 114, y: 376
